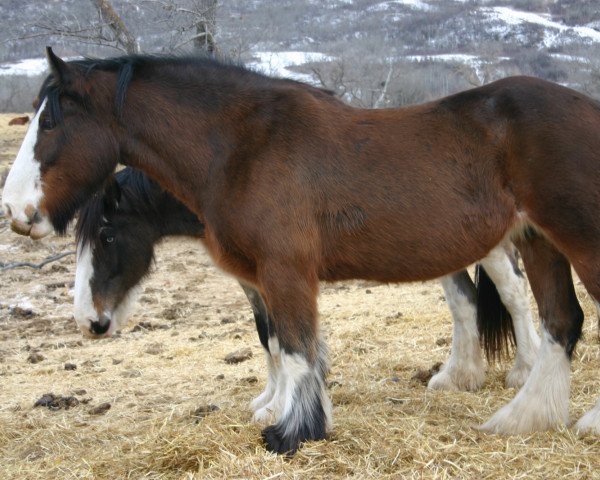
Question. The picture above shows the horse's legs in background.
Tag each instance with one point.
(261, 318)
(301, 407)
(501, 266)
(543, 402)
(465, 369)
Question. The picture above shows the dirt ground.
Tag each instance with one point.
(158, 400)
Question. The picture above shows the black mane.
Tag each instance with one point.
(128, 66)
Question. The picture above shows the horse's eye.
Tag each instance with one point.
(107, 235)
(46, 123)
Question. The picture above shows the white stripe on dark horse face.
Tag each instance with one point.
(23, 189)
(84, 311)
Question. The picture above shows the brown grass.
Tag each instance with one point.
(386, 425)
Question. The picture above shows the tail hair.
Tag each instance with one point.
(494, 322)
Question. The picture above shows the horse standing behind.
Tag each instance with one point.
(293, 187)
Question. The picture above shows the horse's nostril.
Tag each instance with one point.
(8, 211)
(101, 326)
(31, 213)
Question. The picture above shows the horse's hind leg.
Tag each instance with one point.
(500, 265)
(543, 402)
(261, 319)
(301, 407)
(589, 273)
(465, 369)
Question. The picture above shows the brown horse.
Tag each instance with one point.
(293, 187)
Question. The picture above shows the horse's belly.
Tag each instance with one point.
(399, 253)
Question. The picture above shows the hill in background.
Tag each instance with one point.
(371, 53)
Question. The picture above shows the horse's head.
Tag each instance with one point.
(115, 246)
(68, 151)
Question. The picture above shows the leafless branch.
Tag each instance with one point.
(37, 266)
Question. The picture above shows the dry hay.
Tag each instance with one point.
(161, 379)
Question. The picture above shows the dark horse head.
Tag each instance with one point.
(116, 233)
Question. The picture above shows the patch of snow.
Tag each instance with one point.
(277, 63)
(30, 67)
(414, 4)
(516, 17)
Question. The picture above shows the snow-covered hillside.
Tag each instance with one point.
(354, 46)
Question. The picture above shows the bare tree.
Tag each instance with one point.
(122, 36)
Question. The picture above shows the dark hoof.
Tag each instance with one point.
(276, 442)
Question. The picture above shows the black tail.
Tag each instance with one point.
(495, 325)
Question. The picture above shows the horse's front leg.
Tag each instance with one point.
(300, 407)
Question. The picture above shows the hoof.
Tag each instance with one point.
(453, 379)
(264, 416)
(517, 376)
(277, 443)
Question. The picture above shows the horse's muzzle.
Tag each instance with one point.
(21, 228)
(100, 327)
(36, 226)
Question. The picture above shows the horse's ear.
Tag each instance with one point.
(60, 70)
(112, 194)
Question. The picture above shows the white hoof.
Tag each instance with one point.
(455, 379)
(265, 415)
(525, 417)
(263, 399)
(590, 422)
(543, 402)
(517, 376)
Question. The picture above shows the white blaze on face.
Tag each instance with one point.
(84, 313)
(23, 189)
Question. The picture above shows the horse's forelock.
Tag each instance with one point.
(90, 219)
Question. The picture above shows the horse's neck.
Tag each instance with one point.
(176, 220)
(170, 141)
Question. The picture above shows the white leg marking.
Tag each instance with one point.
(295, 381)
(302, 385)
(465, 369)
(23, 186)
(590, 422)
(267, 395)
(270, 412)
(543, 402)
(512, 289)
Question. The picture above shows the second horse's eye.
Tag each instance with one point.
(107, 235)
